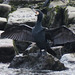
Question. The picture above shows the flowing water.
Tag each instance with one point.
(67, 59)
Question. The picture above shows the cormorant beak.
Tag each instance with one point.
(36, 12)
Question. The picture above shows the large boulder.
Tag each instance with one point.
(4, 10)
(32, 61)
(22, 15)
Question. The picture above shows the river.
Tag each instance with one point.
(67, 59)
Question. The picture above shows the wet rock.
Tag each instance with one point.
(4, 10)
(31, 60)
(3, 22)
(22, 15)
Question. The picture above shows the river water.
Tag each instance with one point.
(67, 59)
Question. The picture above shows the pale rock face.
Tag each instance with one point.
(22, 15)
(71, 11)
(3, 19)
(58, 3)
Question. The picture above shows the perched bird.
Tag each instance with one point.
(39, 34)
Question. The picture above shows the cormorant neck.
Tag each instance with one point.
(38, 23)
(39, 20)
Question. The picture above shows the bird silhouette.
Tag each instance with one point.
(39, 34)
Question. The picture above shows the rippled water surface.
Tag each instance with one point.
(68, 60)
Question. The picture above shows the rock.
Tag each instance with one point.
(56, 17)
(32, 61)
(71, 14)
(7, 51)
(4, 10)
(58, 3)
(68, 60)
(22, 15)
(3, 22)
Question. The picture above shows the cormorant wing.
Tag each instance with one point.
(20, 33)
(60, 36)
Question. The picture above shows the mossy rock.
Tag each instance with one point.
(56, 17)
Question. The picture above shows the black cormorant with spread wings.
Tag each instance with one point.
(40, 35)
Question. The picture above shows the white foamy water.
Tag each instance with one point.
(67, 59)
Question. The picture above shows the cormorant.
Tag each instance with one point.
(39, 34)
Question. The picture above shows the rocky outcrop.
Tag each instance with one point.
(32, 61)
